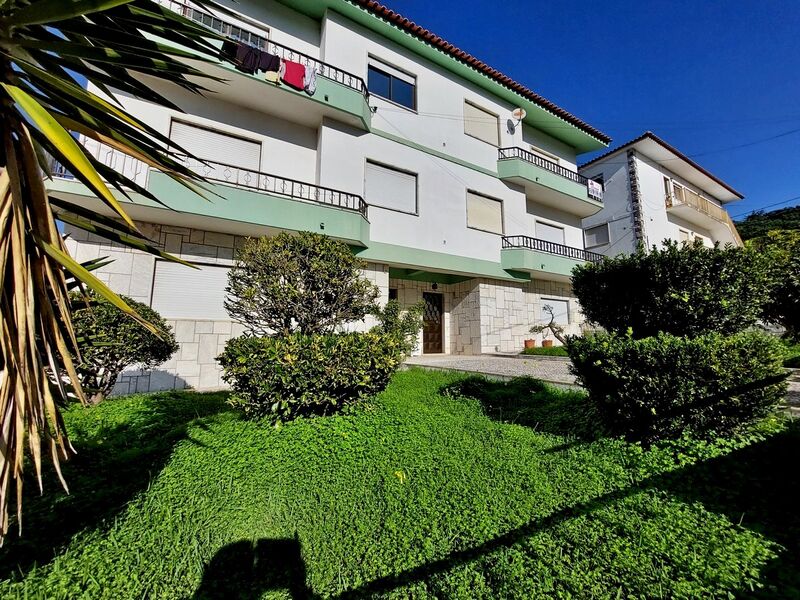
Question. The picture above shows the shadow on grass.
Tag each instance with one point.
(114, 462)
(532, 403)
(755, 487)
(246, 569)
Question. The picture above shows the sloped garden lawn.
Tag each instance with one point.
(505, 494)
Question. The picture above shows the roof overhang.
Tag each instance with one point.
(541, 113)
(653, 147)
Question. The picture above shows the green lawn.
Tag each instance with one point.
(546, 351)
(417, 495)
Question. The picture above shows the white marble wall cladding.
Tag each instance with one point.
(486, 316)
(201, 341)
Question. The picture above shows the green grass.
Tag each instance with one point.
(424, 493)
(551, 351)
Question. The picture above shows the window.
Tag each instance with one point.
(183, 293)
(392, 293)
(390, 188)
(596, 236)
(545, 155)
(213, 145)
(549, 233)
(392, 84)
(560, 311)
(678, 193)
(226, 29)
(683, 236)
(484, 213)
(481, 124)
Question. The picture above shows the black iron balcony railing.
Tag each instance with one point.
(260, 40)
(530, 243)
(221, 173)
(275, 184)
(535, 159)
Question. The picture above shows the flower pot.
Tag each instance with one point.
(530, 344)
(547, 343)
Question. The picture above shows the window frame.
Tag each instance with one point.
(545, 154)
(563, 229)
(608, 235)
(487, 111)
(368, 161)
(376, 64)
(543, 300)
(502, 212)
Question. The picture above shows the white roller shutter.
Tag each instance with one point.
(217, 146)
(180, 292)
(596, 236)
(390, 188)
(481, 124)
(549, 233)
(484, 213)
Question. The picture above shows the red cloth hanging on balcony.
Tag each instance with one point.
(293, 74)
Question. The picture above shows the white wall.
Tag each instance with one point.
(286, 26)
(617, 210)
(437, 121)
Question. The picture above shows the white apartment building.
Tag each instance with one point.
(653, 192)
(408, 149)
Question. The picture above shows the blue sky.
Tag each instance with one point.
(706, 76)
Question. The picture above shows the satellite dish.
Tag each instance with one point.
(518, 114)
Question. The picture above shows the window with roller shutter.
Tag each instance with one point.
(180, 292)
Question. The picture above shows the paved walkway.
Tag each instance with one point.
(555, 371)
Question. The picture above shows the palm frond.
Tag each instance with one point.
(46, 47)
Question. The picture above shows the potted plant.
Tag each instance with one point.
(531, 343)
(550, 328)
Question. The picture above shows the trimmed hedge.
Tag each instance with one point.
(281, 378)
(662, 386)
(680, 289)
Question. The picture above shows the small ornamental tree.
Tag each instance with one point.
(306, 283)
(109, 341)
(680, 289)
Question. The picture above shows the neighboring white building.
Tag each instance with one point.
(407, 150)
(652, 193)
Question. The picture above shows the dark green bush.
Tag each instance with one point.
(680, 289)
(546, 351)
(404, 323)
(662, 386)
(285, 377)
(109, 341)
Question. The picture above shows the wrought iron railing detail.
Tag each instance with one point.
(549, 165)
(531, 243)
(221, 173)
(275, 184)
(260, 40)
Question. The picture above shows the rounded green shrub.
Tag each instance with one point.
(680, 289)
(109, 341)
(662, 386)
(280, 378)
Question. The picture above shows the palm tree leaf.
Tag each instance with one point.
(114, 236)
(77, 162)
(85, 277)
(50, 11)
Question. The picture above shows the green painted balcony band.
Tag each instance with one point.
(547, 182)
(532, 255)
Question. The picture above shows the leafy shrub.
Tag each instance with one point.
(402, 323)
(662, 386)
(109, 341)
(781, 250)
(285, 377)
(306, 283)
(681, 289)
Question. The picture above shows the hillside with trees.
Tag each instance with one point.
(759, 223)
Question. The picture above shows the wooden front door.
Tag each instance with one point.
(432, 324)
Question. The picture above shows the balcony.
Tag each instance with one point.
(547, 183)
(340, 95)
(242, 201)
(532, 255)
(695, 209)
